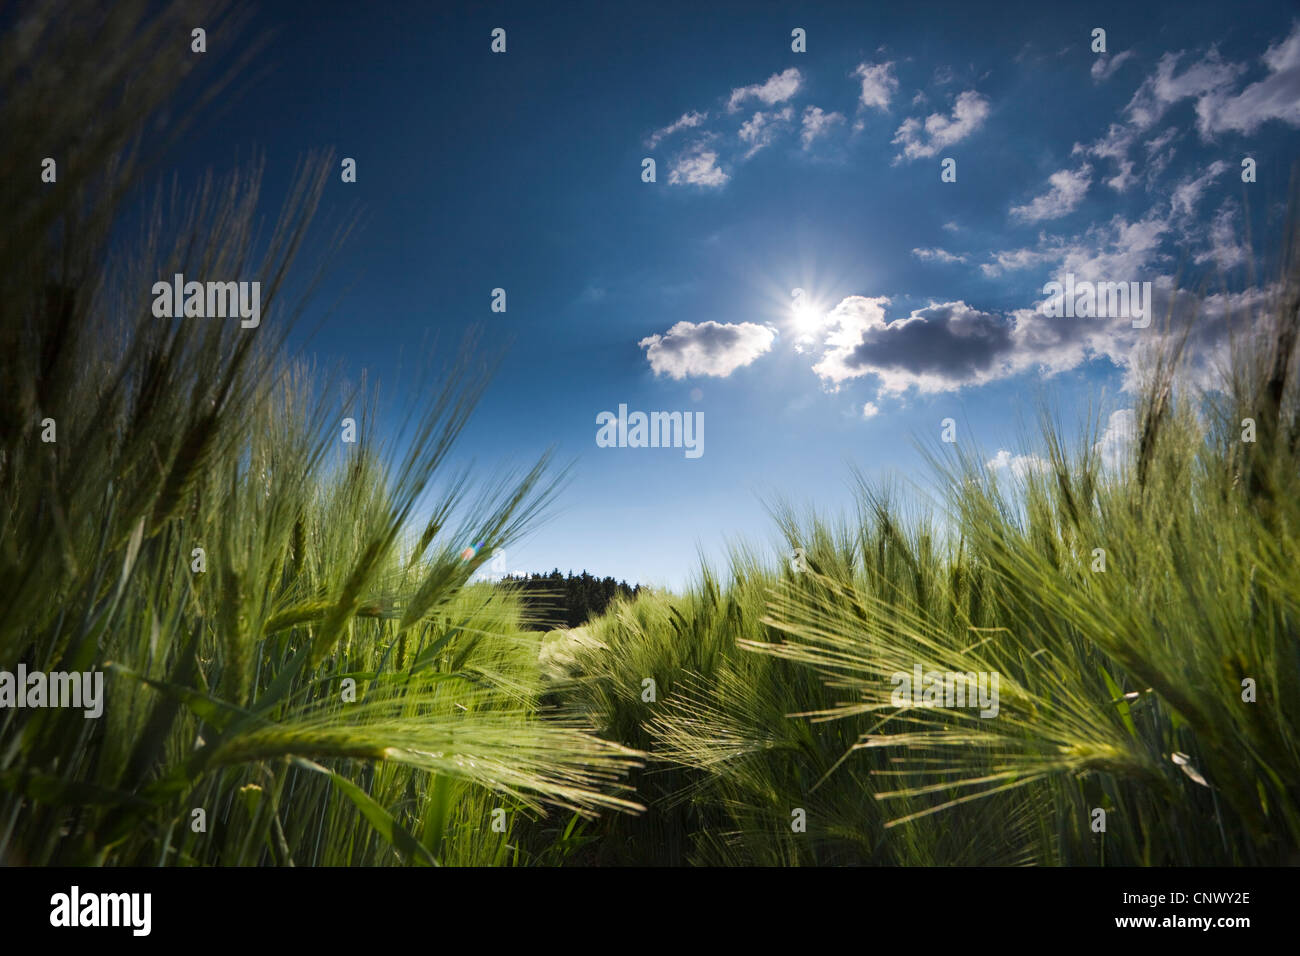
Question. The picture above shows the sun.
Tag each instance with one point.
(807, 314)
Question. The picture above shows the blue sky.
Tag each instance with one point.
(775, 170)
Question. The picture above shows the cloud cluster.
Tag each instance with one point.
(1220, 106)
(718, 144)
(951, 344)
(934, 349)
(707, 157)
(1276, 97)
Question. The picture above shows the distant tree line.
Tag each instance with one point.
(566, 600)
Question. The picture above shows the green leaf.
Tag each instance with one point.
(214, 710)
(427, 656)
(441, 799)
(283, 683)
(55, 791)
(408, 846)
(1117, 696)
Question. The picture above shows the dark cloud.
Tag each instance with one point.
(951, 341)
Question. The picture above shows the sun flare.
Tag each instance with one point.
(806, 314)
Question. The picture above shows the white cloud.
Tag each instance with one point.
(1225, 251)
(706, 348)
(878, 85)
(1167, 86)
(1209, 80)
(697, 167)
(1188, 192)
(937, 254)
(1011, 260)
(844, 327)
(1276, 97)
(1158, 143)
(1068, 190)
(952, 345)
(1116, 251)
(1116, 441)
(718, 145)
(778, 88)
(870, 410)
(817, 122)
(920, 140)
(1159, 155)
(760, 129)
(948, 346)
(1018, 465)
(1104, 67)
(688, 120)
(1114, 146)
(1124, 178)
(936, 349)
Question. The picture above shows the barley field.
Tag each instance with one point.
(301, 667)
